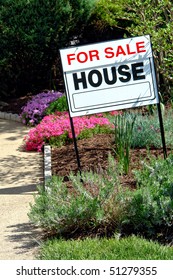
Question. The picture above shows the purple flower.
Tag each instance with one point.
(34, 111)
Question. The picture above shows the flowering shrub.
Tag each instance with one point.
(57, 129)
(34, 110)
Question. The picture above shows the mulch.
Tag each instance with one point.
(93, 155)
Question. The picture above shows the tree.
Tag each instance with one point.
(140, 17)
(31, 34)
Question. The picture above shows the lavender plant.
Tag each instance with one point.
(34, 110)
(150, 211)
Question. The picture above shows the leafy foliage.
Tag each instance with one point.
(146, 131)
(123, 138)
(59, 105)
(140, 17)
(65, 212)
(31, 34)
(150, 211)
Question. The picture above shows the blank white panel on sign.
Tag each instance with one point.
(129, 93)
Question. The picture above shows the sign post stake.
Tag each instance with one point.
(162, 130)
(75, 144)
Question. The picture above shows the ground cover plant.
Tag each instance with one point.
(56, 130)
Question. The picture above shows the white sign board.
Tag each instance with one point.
(109, 76)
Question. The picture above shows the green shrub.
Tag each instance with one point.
(150, 210)
(98, 129)
(59, 105)
(146, 131)
(93, 204)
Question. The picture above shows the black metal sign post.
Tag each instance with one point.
(160, 117)
(75, 144)
(162, 130)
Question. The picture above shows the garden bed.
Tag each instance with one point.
(101, 205)
(93, 153)
(145, 202)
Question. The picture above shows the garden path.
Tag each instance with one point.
(20, 173)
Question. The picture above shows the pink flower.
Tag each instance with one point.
(59, 125)
(114, 113)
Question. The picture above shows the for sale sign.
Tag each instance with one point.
(109, 76)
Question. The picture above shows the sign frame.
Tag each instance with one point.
(142, 53)
(86, 64)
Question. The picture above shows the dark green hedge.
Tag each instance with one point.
(31, 34)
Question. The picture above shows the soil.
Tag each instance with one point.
(93, 155)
